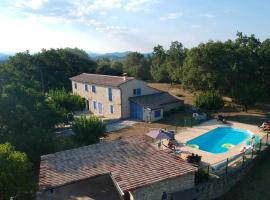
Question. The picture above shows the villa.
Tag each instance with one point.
(122, 97)
(130, 169)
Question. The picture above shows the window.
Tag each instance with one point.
(157, 113)
(94, 104)
(137, 92)
(94, 88)
(110, 94)
(75, 86)
(111, 109)
(134, 91)
(86, 88)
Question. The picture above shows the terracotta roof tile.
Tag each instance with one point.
(99, 79)
(161, 98)
(132, 162)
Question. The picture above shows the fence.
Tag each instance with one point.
(235, 163)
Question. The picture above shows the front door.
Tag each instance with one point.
(100, 108)
(87, 104)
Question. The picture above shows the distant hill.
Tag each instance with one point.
(4, 57)
(112, 56)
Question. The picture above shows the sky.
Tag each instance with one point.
(126, 25)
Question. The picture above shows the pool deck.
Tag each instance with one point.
(190, 133)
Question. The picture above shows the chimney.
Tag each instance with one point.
(125, 76)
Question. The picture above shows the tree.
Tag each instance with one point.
(264, 67)
(136, 65)
(246, 73)
(174, 62)
(206, 67)
(16, 176)
(117, 67)
(55, 66)
(210, 100)
(64, 102)
(27, 122)
(158, 67)
(88, 130)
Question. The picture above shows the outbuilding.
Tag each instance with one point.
(152, 107)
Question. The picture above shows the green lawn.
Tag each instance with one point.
(255, 185)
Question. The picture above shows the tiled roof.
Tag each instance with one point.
(132, 162)
(101, 79)
(154, 101)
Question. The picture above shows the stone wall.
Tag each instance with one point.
(100, 96)
(154, 191)
(216, 187)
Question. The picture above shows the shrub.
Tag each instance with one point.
(88, 130)
(65, 102)
(209, 101)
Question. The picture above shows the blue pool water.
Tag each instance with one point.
(219, 140)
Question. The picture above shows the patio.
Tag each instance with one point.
(185, 135)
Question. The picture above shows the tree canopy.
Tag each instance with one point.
(16, 176)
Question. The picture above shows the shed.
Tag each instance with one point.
(152, 107)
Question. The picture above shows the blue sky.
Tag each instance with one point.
(121, 25)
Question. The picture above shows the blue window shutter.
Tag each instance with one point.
(86, 88)
(157, 113)
(110, 94)
(111, 108)
(139, 92)
(94, 104)
(94, 88)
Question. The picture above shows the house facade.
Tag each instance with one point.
(128, 169)
(110, 97)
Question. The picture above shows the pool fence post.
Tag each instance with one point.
(208, 170)
(243, 161)
(252, 153)
(227, 166)
(260, 145)
(267, 138)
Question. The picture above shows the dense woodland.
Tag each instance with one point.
(33, 88)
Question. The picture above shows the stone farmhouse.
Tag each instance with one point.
(122, 97)
(126, 169)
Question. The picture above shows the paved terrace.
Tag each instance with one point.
(190, 133)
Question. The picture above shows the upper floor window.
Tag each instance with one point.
(86, 88)
(75, 86)
(94, 88)
(110, 94)
(137, 92)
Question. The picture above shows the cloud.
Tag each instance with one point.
(33, 4)
(208, 15)
(170, 16)
(103, 13)
(138, 5)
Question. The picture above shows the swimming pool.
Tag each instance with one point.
(219, 140)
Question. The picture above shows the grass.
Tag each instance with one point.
(255, 185)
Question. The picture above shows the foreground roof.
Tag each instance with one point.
(132, 162)
(156, 100)
(99, 79)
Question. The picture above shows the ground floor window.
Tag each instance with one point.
(111, 109)
(157, 113)
(94, 104)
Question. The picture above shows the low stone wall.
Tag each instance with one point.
(216, 187)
